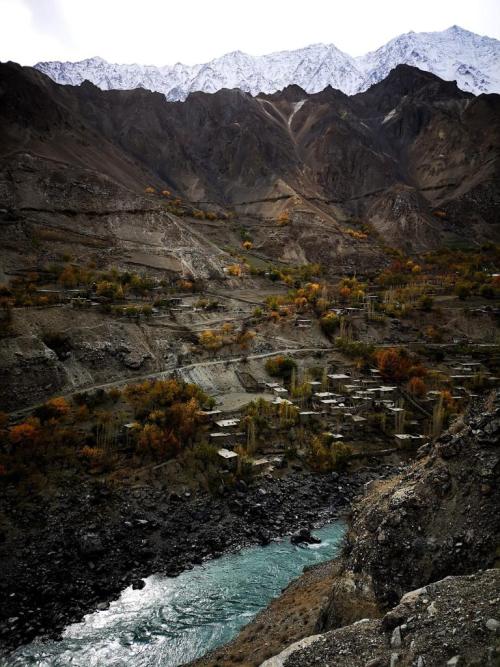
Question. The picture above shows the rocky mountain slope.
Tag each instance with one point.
(79, 158)
(453, 54)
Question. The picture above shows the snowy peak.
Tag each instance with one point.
(455, 54)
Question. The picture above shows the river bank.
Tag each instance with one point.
(69, 551)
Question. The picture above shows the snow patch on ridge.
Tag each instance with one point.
(296, 107)
(390, 115)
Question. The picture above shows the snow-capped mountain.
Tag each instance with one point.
(454, 54)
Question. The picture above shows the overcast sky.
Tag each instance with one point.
(162, 32)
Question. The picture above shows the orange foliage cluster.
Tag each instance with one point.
(171, 412)
(186, 285)
(359, 236)
(396, 365)
(25, 433)
(283, 218)
(92, 454)
(416, 386)
(234, 270)
(213, 340)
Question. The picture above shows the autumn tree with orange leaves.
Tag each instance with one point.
(397, 365)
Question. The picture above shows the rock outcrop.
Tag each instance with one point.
(455, 621)
(440, 518)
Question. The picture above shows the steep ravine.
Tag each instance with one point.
(436, 520)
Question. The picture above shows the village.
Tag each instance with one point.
(354, 413)
(295, 369)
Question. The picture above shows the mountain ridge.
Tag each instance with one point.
(453, 54)
(388, 158)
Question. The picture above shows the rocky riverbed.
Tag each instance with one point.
(71, 550)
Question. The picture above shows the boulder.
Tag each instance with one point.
(304, 536)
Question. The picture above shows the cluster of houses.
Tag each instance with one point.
(226, 435)
(344, 406)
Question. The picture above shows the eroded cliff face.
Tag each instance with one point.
(440, 518)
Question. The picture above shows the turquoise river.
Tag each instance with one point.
(174, 620)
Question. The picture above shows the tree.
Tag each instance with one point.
(55, 408)
(68, 277)
(26, 433)
(462, 290)
(487, 292)
(329, 324)
(109, 290)
(344, 293)
(416, 386)
(281, 366)
(244, 337)
(210, 340)
(394, 364)
(426, 302)
(283, 218)
(234, 270)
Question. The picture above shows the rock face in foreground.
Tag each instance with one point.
(440, 518)
(436, 522)
(455, 621)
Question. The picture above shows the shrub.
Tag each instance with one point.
(329, 324)
(487, 292)
(114, 394)
(281, 366)
(463, 291)
(283, 218)
(394, 365)
(93, 455)
(354, 349)
(109, 289)
(426, 303)
(210, 340)
(26, 433)
(55, 408)
(360, 236)
(234, 270)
